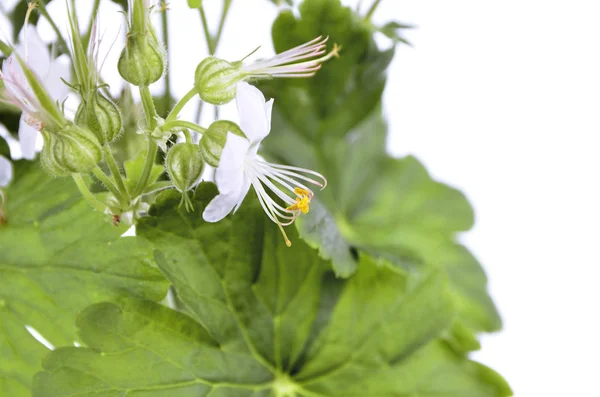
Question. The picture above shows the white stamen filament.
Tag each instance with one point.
(280, 178)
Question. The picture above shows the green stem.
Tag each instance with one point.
(85, 191)
(169, 125)
(114, 170)
(110, 185)
(151, 116)
(372, 9)
(155, 187)
(179, 106)
(165, 34)
(217, 38)
(44, 12)
(149, 108)
(207, 35)
(88, 31)
(212, 42)
(147, 171)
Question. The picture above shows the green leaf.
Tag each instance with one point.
(389, 207)
(345, 90)
(57, 256)
(270, 321)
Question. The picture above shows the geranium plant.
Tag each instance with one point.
(283, 254)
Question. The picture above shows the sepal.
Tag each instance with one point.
(101, 116)
(215, 80)
(72, 150)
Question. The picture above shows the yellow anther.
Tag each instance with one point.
(302, 204)
(301, 192)
(336, 50)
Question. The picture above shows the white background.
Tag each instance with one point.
(501, 100)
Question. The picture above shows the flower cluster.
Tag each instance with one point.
(241, 167)
(77, 145)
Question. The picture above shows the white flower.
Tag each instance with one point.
(285, 64)
(37, 57)
(241, 167)
(6, 172)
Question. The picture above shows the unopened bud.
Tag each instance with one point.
(184, 165)
(101, 116)
(72, 150)
(216, 79)
(142, 61)
(214, 138)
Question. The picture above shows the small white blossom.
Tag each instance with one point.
(18, 90)
(240, 167)
(301, 61)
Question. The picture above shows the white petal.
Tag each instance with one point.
(6, 171)
(59, 68)
(253, 116)
(37, 55)
(243, 192)
(230, 171)
(219, 207)
(27, 138)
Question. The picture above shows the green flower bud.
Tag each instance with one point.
(184, 165)
(72, 150)
(215, 80)
(214, 138)
(142, 61)
(101, 116)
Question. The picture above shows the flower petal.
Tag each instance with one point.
(252, 112)
(230, 171)
(6, 171)
(243, 192)
(219, 207)
(59, 68)
(37, 55)
(27, 138)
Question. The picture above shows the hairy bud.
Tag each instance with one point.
(101, 116)
(142, 61)
(72, 150)
(184, 165)
(214, 138)
(216, 79)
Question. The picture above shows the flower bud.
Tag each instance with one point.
(142, 61)
(184, 165)
(74, 149)
(101, 116)
(213, 140)
(216, 79)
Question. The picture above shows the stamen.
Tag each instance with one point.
(30, 7)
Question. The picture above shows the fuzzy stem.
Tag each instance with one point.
(85, 191)
(179, 106)
(150, 157)
(149, 107)
(155, 187)
(114, 170)
(165, 37)
(102, 177)
(88, 31)
(169, 125)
